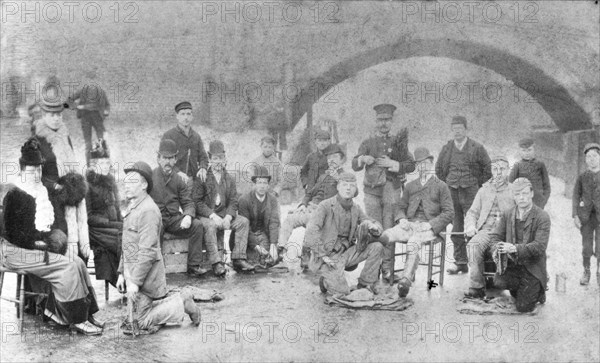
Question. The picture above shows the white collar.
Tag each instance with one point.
(460, 145)
(259, 198)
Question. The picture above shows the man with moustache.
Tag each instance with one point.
(141, 268)
(191, 156)
(172, 192)
(341, 236)
(464, 165)
(386, 160)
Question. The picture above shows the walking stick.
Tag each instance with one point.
(132, 311)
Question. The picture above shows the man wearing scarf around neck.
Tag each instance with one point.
(340, 236)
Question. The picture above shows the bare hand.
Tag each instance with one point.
(425, 226)
(471, 231)
(58, 186)
(329, 262)
(186, 222)
(403, 223)
(201, 174)
(385, 162)
(184, 176)
(375, 229)
(132, 290)
(367, 159)
(505, 247)
(301, 208)
(577, 222)
(216, 219)
(261, 251)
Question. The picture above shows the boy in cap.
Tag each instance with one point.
(520, 240)
(325, 188)
(316, 162)
(491, 200)
(269, 160)
(341, 236)
(142, 274)
(464, 165)
(386, 160)
(191, 156)
(533, 169)
(586, 209)
(424, 211)
(261, 208)
(172, 193)
(216, 199)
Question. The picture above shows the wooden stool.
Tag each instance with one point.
(432, 257)
(19, 299)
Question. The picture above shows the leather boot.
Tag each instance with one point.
(219, 269)
(242, 265)
(475, 293)
(453, 270)
(404, 287)
(585, 279)
(190, 307)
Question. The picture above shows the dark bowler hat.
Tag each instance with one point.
(30, 153)
(52, 105)
(526, 142)
(322, 134)
(262, 172)
(384, 110)
(167, 148)
(216, 147)
(333, 149)
(185, 105)
(459, 120)
(99, 150)
(422, 153)
(590, 146)
(144, 170)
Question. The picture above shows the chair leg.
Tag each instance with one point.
(430, 262)
(442, 261)
(106, 290)
(21, 297)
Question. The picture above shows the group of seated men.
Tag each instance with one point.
(191, 194)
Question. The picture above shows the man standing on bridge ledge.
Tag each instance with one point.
(386, 160)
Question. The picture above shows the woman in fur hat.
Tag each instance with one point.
(28, 220)
(66, 187)
(104, 216)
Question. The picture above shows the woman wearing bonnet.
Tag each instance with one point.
(66, 187)
(28, 220)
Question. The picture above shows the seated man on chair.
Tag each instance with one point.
(424, 211)
(491, 200)
(520, 239)
(324, 188)
(340, 236)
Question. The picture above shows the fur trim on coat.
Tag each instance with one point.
(74, 189)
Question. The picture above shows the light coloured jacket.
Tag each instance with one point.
(482, 204)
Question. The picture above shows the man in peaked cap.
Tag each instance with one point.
(325, 188)
(171, 193)
(424, 211)
(491, 200)
(341, 236)
(521, 238)
(261, 208)
(464, 165)
(142, 274)
(316, 162)
(216, 202)
(386, 160)
(533, 169)
(191, 156)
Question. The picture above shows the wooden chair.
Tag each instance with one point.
(433, 267)
(19, 299)
(92, 271)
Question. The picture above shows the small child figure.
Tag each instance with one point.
(533, 169)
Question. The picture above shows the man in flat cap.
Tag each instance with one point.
(491, 200)
(325, 188)
(191, 156)
(216, 202)
(464, 165)
(424, 211)
(171, 193)
(386, 160)
(92, 109)
(520, 238)
(142, 273)
(533, 169)
(341, 236)
(586, 209)
(316, 162)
